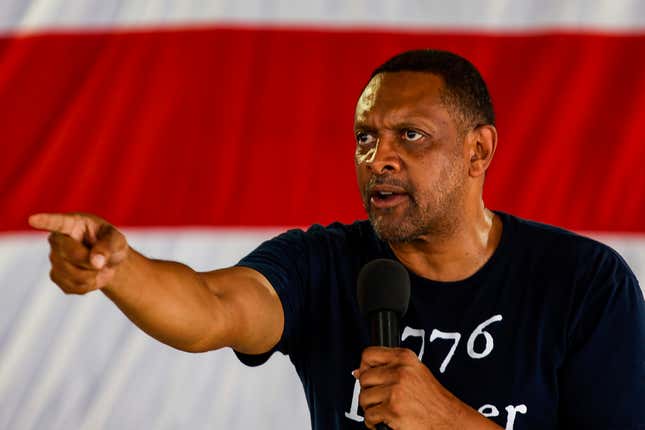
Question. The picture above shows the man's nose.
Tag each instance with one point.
(386, 157)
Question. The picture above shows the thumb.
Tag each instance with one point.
(110, 248)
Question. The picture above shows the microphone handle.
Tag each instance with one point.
(385, 331)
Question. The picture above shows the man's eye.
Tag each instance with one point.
(411, 135)
(365, 139)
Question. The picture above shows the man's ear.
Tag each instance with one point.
(482, 142)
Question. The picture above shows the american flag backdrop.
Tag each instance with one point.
(203, 127)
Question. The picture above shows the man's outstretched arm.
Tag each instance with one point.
(188, 310)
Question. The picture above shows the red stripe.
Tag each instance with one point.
(253, 126)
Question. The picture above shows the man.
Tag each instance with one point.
(511, 323)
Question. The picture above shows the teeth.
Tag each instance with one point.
(386, 193)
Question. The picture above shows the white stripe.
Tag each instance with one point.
(115, 380)
(19, 349)
(58, 363)
(460, 15)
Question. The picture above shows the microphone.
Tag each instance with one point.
(383, 296)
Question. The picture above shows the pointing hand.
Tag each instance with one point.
(85, 250)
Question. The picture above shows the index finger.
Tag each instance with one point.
(70, 225)
(374, 356)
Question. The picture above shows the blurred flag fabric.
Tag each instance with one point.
(204, 127)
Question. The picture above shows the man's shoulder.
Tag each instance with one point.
(361, 228)
(559, 244)
(539, 230)
(355, 237)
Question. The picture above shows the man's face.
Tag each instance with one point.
(410, 160)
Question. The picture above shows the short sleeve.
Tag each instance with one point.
(603, 377)
(283, 261)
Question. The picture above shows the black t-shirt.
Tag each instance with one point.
(549, 333)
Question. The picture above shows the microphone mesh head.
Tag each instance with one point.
(383, 284)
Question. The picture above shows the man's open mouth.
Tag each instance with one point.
(387, 198)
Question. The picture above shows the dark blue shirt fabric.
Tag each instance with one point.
(548, 334)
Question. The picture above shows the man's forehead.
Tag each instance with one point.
(399, 90)
(367, 98)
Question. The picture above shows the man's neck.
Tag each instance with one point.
(457, 255)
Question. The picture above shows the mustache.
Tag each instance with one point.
(386, 180)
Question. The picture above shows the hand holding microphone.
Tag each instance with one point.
(398, 391)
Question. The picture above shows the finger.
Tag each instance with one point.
(379, 414)
(372, 396)
(71, 280)
(380, 375)
(379, 356)
(78, 275)
(70, 250)
(79, 280)
(374, 356)
(73, 225)
(63, 283)
(110, 248)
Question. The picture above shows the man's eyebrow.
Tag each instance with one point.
(363, 127)
(417, 118)
(427, 124)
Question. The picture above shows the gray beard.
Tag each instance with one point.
(411, 229)
(438, 219)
